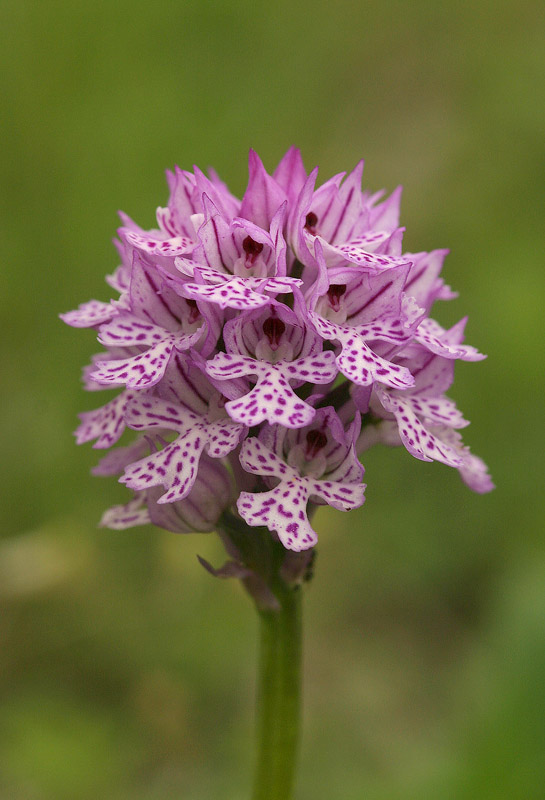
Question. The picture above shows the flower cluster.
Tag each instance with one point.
(259, 346)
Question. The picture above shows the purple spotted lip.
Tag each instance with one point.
(259, 346)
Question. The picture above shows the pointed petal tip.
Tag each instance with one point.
(357, 172)
(208, 204)
(254, 161)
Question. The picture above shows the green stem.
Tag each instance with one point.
(274, 584)
(279, 695)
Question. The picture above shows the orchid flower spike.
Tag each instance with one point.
(259, 346)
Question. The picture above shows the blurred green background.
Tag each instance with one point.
(126, 671)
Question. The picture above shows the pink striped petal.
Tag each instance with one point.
(114, 462)
(263, 196)
(423, 282)
(385, 215)
(290, 174)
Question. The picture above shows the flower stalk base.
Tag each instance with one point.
(279, 696)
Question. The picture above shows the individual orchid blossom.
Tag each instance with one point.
(258, 348)
(271, 344)
(265, 308)
(319, 464)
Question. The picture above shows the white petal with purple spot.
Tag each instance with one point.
(174, 467)
(435, 338)
(272, 398)
(283, 509)
(145, 369)
(138, 371)
(236, 292)
(156, 246)
(357, 361)
(133, 513)
(418, 440)
(105, 424)
(87, 315)
(126, 330)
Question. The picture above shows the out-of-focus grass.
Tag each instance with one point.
(125, 670)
